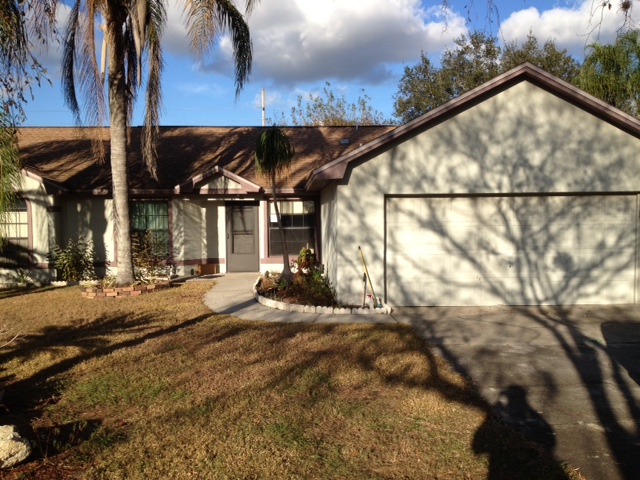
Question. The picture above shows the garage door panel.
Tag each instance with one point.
(619, 262)
(464, 236)
(618, 291)
(560, 265)
(464, 210)
(499, 291)
(417, 236)
(464, 294)
(616, 235)
(503, 266)
(465, 265)
(419, 291)
(600, 236)
(618, 209)
(413, 266)
(495, 240)
(402, 211)
(496, 211)
(517, 250)
(402, 262)
(563, 238)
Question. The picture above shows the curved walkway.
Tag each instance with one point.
(233, 295)
(566, 377)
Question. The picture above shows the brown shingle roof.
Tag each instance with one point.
(64, 155)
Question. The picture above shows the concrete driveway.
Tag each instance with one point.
(568, 378)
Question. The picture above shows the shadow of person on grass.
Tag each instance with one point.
(513, 409)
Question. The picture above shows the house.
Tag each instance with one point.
(523, 191)
(208, 202)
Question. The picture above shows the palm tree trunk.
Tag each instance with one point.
(286, 269)
(118, 131)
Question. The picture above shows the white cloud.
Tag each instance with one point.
(174, 39)
(201, 89)
(571, 28)
(297, 41)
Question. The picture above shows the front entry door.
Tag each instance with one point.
(243, 254)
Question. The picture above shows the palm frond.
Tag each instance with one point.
(132, 64)
(274, 152)
(151, 130)
(68, 80)
(206, 17)
(80, 71)
(139, 17)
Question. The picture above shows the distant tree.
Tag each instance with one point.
(274, 154)
(612, 72)
(473, 61)
(548, 57)
(328, 109)
(22, 22)
(421, 89)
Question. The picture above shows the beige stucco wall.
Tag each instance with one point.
(188, 224)
(197, 237)
(42, 224)
(522, 141)
(89, 218)
(328, 233)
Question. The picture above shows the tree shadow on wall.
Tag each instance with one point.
(490, 222)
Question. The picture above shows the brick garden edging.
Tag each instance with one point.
(119, 292)
(292, 307)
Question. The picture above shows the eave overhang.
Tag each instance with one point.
(50, 187)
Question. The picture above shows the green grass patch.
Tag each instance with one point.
(113, 389)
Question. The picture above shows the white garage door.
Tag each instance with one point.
(557, 250)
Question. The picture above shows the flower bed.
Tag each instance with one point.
(119, 292)
(291, 307)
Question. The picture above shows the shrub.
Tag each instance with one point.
(75, 262)
(309, 281)
(151, 257)
(309, 287)
(22, 277)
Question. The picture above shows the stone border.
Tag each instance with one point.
(120, 292)
(292, 307)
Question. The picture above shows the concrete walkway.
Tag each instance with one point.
(233, 295)
(566, 378)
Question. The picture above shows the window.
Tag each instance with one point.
(298, 222)
(14, 244)
(150, 223)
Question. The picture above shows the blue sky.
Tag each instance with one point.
(354, 44)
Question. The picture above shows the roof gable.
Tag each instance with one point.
(337, 169)
(217, 181)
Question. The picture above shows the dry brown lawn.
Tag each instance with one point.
(158, 386)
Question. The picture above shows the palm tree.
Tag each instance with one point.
(612, 72)
(274, 154)
(132, 32)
